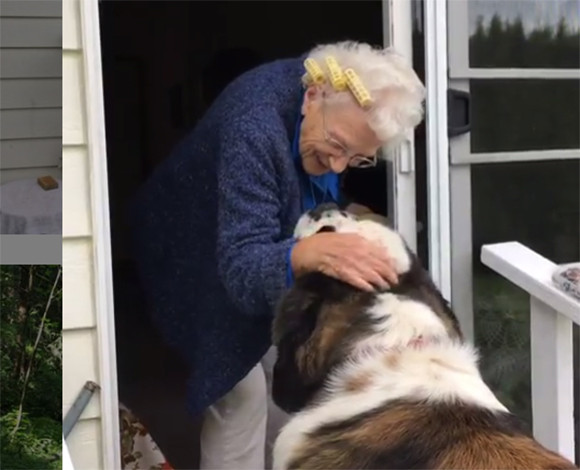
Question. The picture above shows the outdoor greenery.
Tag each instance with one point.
(31, 365)
(505, 44)
(502, 325)
(524, 114)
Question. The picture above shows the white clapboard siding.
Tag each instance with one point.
(76, 198)
(25, 93)
(71, 30)
(81, 350)
(41, 33)
(73, 121)
(78, 279)
(30, 88)
(30, 153)
(26, 173)
(31, 8)
(31, 63)
(81, 364)
(31, 123)
(84, 444)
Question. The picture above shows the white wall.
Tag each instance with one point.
(80, 345)
(30, 88)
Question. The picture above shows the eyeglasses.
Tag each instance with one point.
(354, 159)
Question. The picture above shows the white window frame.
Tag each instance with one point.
(459, 75)
(461, 156)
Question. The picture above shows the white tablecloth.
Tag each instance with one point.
(26, 208)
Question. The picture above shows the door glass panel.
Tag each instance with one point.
(512, 115)
(524, 33)
(535, 203)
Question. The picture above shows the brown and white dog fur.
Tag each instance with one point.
(385, 380)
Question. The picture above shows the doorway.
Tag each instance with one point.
(163, 64)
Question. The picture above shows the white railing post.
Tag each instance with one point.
(552, 378)
(552, 315)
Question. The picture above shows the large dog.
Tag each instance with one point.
(385, 380)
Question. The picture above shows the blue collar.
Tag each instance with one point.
(326, 185)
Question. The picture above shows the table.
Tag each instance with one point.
(26, 208)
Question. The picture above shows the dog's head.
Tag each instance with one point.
(329, 217)
(320, 321)
(326, 217)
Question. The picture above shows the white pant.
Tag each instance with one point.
(239, 430)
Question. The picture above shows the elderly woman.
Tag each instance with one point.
(213, 225)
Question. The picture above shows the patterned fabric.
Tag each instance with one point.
(138, 449)
(567, 278)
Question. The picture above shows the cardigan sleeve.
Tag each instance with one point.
(252, 256)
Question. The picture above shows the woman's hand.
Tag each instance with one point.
(345, 256)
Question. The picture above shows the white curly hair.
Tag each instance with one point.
(395, 89)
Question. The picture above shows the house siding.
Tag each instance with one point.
(80, 326)
(30, 89)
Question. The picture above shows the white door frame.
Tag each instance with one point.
(435, 27)
(103, 261)
(398, 33)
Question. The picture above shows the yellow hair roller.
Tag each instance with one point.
(357, 88)
(336, 76)
(315, 73)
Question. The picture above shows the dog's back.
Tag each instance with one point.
(416, 435)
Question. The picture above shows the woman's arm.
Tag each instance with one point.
(252, 256)
(253, 259)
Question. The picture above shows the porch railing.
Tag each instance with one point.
(552, 315)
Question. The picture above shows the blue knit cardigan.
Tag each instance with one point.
(212, 228)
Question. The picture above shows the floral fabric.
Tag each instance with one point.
(138, 449)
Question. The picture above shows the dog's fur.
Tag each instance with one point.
(385, 380)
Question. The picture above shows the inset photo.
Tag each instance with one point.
(31, 118)
(31, 367)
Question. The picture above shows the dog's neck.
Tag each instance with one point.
(372, 348)
(423, 367)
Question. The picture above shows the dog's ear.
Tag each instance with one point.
(294, 323)
(291, 314)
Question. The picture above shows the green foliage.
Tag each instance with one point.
(30, 367)
(502, 326)
(36, 444)
(505, 44)
(522, 114)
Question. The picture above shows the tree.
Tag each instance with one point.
(30, 366)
